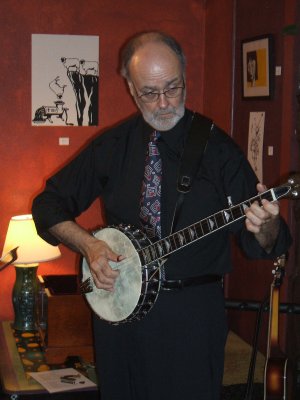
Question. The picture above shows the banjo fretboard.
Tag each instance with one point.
(206, 226)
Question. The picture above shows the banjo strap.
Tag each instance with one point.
(191, 159)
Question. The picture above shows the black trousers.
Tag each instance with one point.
(176, 352)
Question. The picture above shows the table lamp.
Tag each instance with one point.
(31, 250)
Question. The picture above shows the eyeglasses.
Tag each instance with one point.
(151, 97)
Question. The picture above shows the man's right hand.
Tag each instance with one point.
(96, 252)
(98, 256)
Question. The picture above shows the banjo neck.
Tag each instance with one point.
(163, 247)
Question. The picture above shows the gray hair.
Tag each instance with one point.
(142, 38)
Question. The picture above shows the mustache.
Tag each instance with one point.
(159, 113)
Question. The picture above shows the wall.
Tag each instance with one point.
(31, 154)
(251, 279)
(219, 62)
(210, 32)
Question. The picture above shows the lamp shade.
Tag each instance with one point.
(32, 249)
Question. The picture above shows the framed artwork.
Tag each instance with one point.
(65, 80)
(255, 142)
(257, 67)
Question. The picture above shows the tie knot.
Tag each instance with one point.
(154, 136)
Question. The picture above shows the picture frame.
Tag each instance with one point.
(64, 80)
(258, 67)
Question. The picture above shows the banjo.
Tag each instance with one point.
(137, 287)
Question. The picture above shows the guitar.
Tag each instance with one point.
(138, 284)
(277, 367)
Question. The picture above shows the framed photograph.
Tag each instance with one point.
(257, 67)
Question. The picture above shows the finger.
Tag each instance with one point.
(265, 210)
(104, 278)
(112, 256)
(101, 249)
(254, 220)
(252, 227)
(102, 285)
(103, 270)
(271, 208)
(256, 215)
(102, 282)
(261, 187)
(255, 210)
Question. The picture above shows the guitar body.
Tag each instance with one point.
(276, 373)
(279, 371)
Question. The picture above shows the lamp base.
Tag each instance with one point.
(24, 297)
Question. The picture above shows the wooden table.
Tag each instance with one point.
(14, 379)
(15, 382)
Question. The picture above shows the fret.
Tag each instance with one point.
(199, 232)
(269, 195)
(247, 203)
(227, 215)
(173, 242)
(166, 244)
(212, 223)
(192, 233)
(237, 211)
(244, 208)
(272, 197)
(205, 226)
(159, 249)
(259, 200)
(181, 238)
(177, 240)
(251, 201)
(232, 216)
(220, 221)
(186, 235)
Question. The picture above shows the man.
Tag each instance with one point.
(176, 351)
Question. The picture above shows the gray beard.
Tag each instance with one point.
(164, 124)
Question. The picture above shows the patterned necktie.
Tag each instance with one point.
(151, 190)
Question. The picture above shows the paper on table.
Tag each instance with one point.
(60, 380)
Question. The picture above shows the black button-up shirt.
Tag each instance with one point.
(112, 167)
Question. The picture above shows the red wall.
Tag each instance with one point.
(252, 279)
(218, 99)
(210, 31)
(31, 154)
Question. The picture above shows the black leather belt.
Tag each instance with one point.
(196, 280)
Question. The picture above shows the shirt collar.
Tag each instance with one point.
(175, 137)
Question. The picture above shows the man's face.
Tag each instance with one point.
(155, 68)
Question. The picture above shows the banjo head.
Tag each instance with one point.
(118, 305)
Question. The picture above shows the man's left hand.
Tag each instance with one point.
(263, 220)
